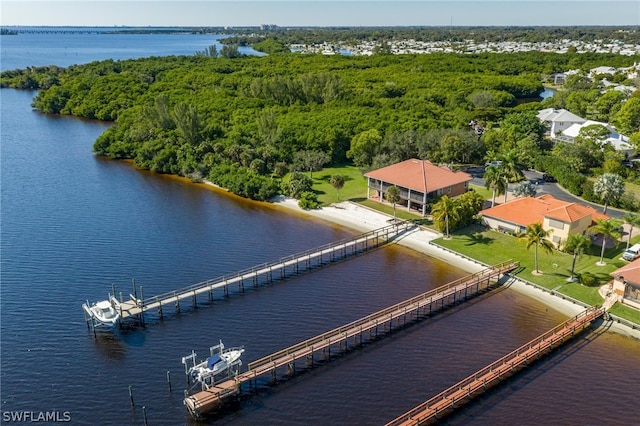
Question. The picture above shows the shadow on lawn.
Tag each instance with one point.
(478, 238)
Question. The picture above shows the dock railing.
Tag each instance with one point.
(493, 271)
(398, 226)
(512, 360)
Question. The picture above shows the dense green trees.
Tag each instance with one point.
(250, 120)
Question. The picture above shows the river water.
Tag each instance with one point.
(73, 224)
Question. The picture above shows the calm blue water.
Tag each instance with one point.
(73, 224)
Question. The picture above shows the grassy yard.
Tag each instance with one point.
(493, 247)
(355, 185)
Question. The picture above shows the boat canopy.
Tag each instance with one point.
(213, 360)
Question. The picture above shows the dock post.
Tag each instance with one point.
(142, 304)
(177, 302)
(159, 308)
(131, 395)
(113, 291)
(169, 379)
(195, 301)
(144, 415)
(93, 326)
(135, 292)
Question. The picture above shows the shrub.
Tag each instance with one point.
(308, 200)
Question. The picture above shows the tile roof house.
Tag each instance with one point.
(626, 284)
(419, 182)
(558, 119)
(561, 218)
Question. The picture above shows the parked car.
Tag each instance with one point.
(631, 253)
(548, 178)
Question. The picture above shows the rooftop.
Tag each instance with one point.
(419, 175)
(527, 210)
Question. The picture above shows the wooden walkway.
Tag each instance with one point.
(448, 400)
(369, 326)
(290, 265)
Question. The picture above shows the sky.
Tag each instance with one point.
(218, 13)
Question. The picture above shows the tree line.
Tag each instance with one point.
(245, 122)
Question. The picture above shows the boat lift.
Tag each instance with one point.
(209, 379)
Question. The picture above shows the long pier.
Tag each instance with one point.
(459, 394)
(289, 265)
(400, 314)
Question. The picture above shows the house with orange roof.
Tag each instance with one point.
(419, 182)
(560, 218)
(626, 284)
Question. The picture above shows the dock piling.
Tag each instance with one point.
(131, 395)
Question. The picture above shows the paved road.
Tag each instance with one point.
(545, 188)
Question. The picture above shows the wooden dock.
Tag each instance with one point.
(448, 400)
(382, 321)
(281, 268)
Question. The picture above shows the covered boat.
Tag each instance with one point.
(102, 312)
(221, 361)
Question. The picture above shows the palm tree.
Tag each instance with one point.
(393, 196)
(536, 235)
(510, 166)
(608, 186)
(632, 219)
(493, 180)
(445, 211)
(575, 244)
(608, 229)
(337, 181)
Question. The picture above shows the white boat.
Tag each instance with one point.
(219, 362)
(102, 312)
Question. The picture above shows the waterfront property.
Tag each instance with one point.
(560, 218)
(399, 315)
(464, 391)
(419, 182)
(626, 284)
(291, 265)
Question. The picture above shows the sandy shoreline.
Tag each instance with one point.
(363, 219)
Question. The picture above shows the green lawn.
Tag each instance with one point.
(355, 185)
(487, 194)
(492, 247)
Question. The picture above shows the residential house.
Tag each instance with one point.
(419, 182)
(626, 284)
(619, 142)
(558, 120)
(601, 70)
(560, 218)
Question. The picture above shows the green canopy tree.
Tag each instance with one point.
(575, 244)
(608, 229)
(364, 146)
(535, 235)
